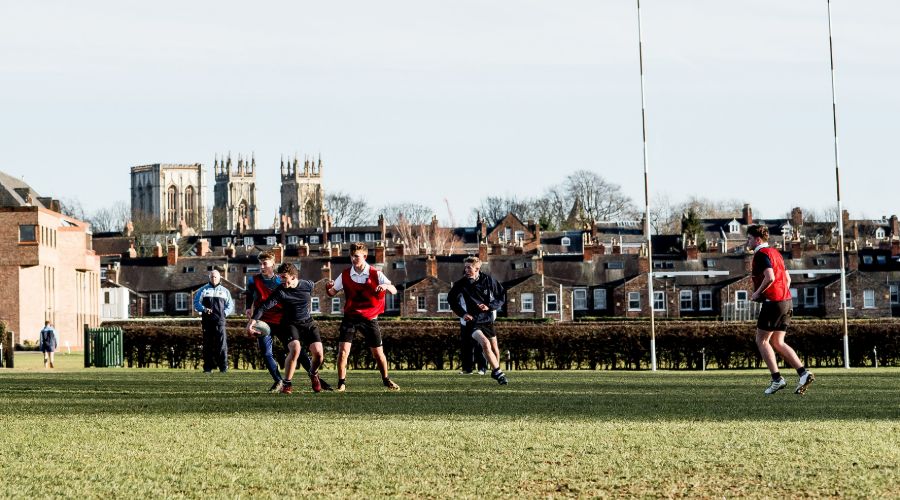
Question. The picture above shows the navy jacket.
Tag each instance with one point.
(465, 296)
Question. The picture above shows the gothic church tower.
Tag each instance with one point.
(171, 194)
(302, 195)
(234, 195)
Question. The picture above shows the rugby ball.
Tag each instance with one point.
(263, 328)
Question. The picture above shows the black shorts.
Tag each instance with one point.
(775, 316)
(368, 327)
(486, 328)
(306, 332)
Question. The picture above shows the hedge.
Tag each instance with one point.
(434, 344)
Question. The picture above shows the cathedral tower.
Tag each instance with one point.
(234, 195)
(171, 194)
(302, 195)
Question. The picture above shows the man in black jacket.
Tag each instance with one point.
(475, 299)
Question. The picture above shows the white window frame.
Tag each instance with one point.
(507, 234)
(399, 264)
(565, 241)
(551, 303)
(293, 240)
(686, 296)
(421, 304)
(354, 237)
(337, 238)
(443, 305)
(390, 303)
(157, 304)
(600, 298)
(369, 237)
(314, 306)
(795, 297)
(314, 239)
(848, 302)
(706, 296)
(271, 240)
(734, 227)
(527, 302)
(741, 300)
(226, 241)
(659, 301)
(181, 301)
(634, 301)
(810, 297)
(879, 233)
(867, 259)
(579, 299)
(868, 299)
(519, 235)
(248, 241)
(335, 305)
(895, 294)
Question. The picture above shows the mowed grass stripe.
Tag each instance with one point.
(173, 433)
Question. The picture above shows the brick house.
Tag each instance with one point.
(537, 296)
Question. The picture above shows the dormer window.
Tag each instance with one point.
(867, 259)
(248, 241)
(293, 240)
(270, 240)
(820, 261)
(879, 233)
(314, 239)
(565, 241)
(734, 227)
(881, 259)
(226, 242)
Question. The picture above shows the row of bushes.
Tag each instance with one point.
(530, 345)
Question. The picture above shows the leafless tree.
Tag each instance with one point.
(72, 207)
(414, 214)
(347, 211)
(109, 219)
(601, 200)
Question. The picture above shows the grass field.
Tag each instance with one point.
(172, 433)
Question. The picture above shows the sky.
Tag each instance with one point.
(444, 103)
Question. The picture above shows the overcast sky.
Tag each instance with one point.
(422, 101)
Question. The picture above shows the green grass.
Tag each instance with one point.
(174, 433)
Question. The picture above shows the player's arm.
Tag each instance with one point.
(385, 284)
(332, 287)
(454, 299)
(768, 279)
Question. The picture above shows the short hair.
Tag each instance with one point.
(265, 256)
(472, 260)
(288, 269)
(357, 246)
(760, 231)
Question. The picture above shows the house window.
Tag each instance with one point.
(226, 242)
(443, 305)
(795, 298)
(181, 301)
(314, 306)
(820, 261)
(895, 294)
(687, 300)
(314, 239)
(248, 241)
(599, 298)
(293, 240)
(881, 259)
(335, 305)
(868, 299)
(551, 303)
(507, 234)
(710, 262)
(615, 264)
(336, 238)
(156, 302)
(390, 302)
(103, 272)
(579, 297)
(566, 241)
(879, 233)
(734, 227)
(634, 301)
(400, 265)
(251, 269)
(867, 259)
(810, 297)
(420, 303)
(740, 300)
(848, 299)
(705, 300)
(659, 301)
(369, 237)
(187, 269)
(520, 235)
(27, 233)
(106, 297)
(527, 302)
(354, 237)
(270, 240)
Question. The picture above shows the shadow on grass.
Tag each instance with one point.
(556, 395)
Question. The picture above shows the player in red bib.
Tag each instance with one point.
(772, 287)
(364, 288)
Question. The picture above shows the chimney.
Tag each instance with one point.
(796, 249)
(112, 272)
(643, 263)
(852, 260)
(600, 249)
(382, 228)
(692, 251)
(423, 248)
(895, 247)
(747, 214)
(519, 248)
(379, 253)
(129, 228)
(400, 249)
(845, 216)
(202, 247)
(588, 251)
(303, 250)
(537, 264)
(796, 217)
(171, 254)
(131, 253)
(483, 252)
(157, 250)
(230, 251)
(432, 237)
(278, 253)
(616, 247)
(895, 227)
(326, 271)
(496, 248)
(431, 269)
(482, 228)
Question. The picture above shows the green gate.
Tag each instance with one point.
(103, 347)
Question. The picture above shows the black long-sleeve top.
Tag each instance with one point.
(295, 303)
(466, 294)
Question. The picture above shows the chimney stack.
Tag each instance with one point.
(379, 253)
(278, 253)
(796, 217)
(895, 227)
(157, 250)
(537, 264)
(303, 250)
(230, 251)
(112, 272)
(400, 249)
(431, 268)
(131, 253)
(747, 214)
(326, 271)
(172, 254)
(483, 252)
(202, 247)
(382, 228)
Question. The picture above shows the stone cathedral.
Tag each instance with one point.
(302, 194)
(234, 195)
(172, 194)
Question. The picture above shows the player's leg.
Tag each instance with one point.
(373, 340)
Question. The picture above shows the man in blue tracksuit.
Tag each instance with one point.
(213, 302)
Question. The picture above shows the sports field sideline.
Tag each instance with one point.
(179, 433)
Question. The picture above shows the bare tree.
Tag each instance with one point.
(494, 208)
(72, 207)
(109, 219)
(413, 213)
(348, 211)
(601, 200)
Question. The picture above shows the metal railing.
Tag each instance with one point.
(740, 311)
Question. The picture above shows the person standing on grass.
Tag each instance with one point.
(364, 288)
(259, 288)
(47, 343)
(296, 326)
(471, 355)
(213, 302)
(476, 298)
(772, 287)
